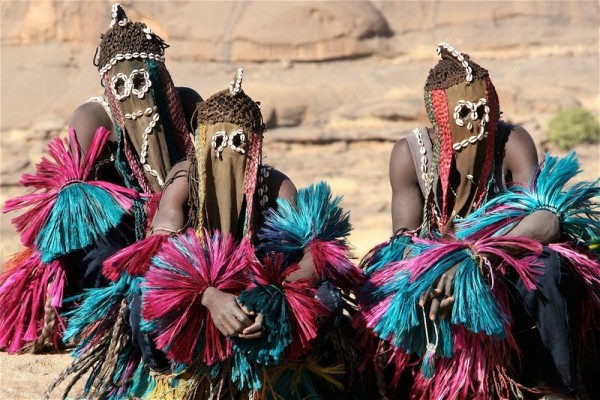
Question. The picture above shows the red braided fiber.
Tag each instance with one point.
(112, 100)
(442, 120)
(183, 142)
(250, 180)
(151, 208)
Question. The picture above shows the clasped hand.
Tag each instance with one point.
(231, 318)
(440, 296)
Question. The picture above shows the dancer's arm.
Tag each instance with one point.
(521, 161)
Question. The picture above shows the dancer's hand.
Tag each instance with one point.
(441, 296)
(228, 316)
(255, 330)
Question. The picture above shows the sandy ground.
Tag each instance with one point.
(27, 376)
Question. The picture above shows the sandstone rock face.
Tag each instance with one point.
(315, 31)
(338, 81)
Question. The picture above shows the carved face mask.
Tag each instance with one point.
(131, 84)
(229, 142)
(144, 102)
(469, 126)
(464, 111)
(225, 168)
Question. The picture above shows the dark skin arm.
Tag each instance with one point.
(521, 161)
(170, 216)
(407, 212)
(407, 199)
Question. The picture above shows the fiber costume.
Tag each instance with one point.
(239, 240)
(83, 208)
(503, 285)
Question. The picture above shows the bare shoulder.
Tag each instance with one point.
(281, 186)
(188, 95)
(189, 101)
(519, 136)
(521, 157)
(90, 113)
(520, 144)
(402, 167)
(407, 199)
(86, 119)
(400, 150)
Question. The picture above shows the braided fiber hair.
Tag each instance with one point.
(449, 72)
(238, 109)
(454, 69)
(125, 37)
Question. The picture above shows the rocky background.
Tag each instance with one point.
(338, 82)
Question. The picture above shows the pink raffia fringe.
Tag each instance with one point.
(474, 371)
(331, 261)
(134, 259)
(52, 175)
(173, 289)
(24, 288)
(583, 262)
(305, 309)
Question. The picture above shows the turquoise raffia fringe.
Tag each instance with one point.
(577, 206)
(289, 229)
(80, 215)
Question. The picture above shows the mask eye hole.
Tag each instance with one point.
(140, 82)
(237, 140)
(120, 86)
(219, 142)
(464, 112)
(481, 111)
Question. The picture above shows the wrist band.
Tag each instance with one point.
(164, 229)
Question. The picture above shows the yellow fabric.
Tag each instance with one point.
(309, 365)
(164, 390)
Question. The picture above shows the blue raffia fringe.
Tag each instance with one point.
(80, 215)
(289, 229)
(577, 206)
(270, 347)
